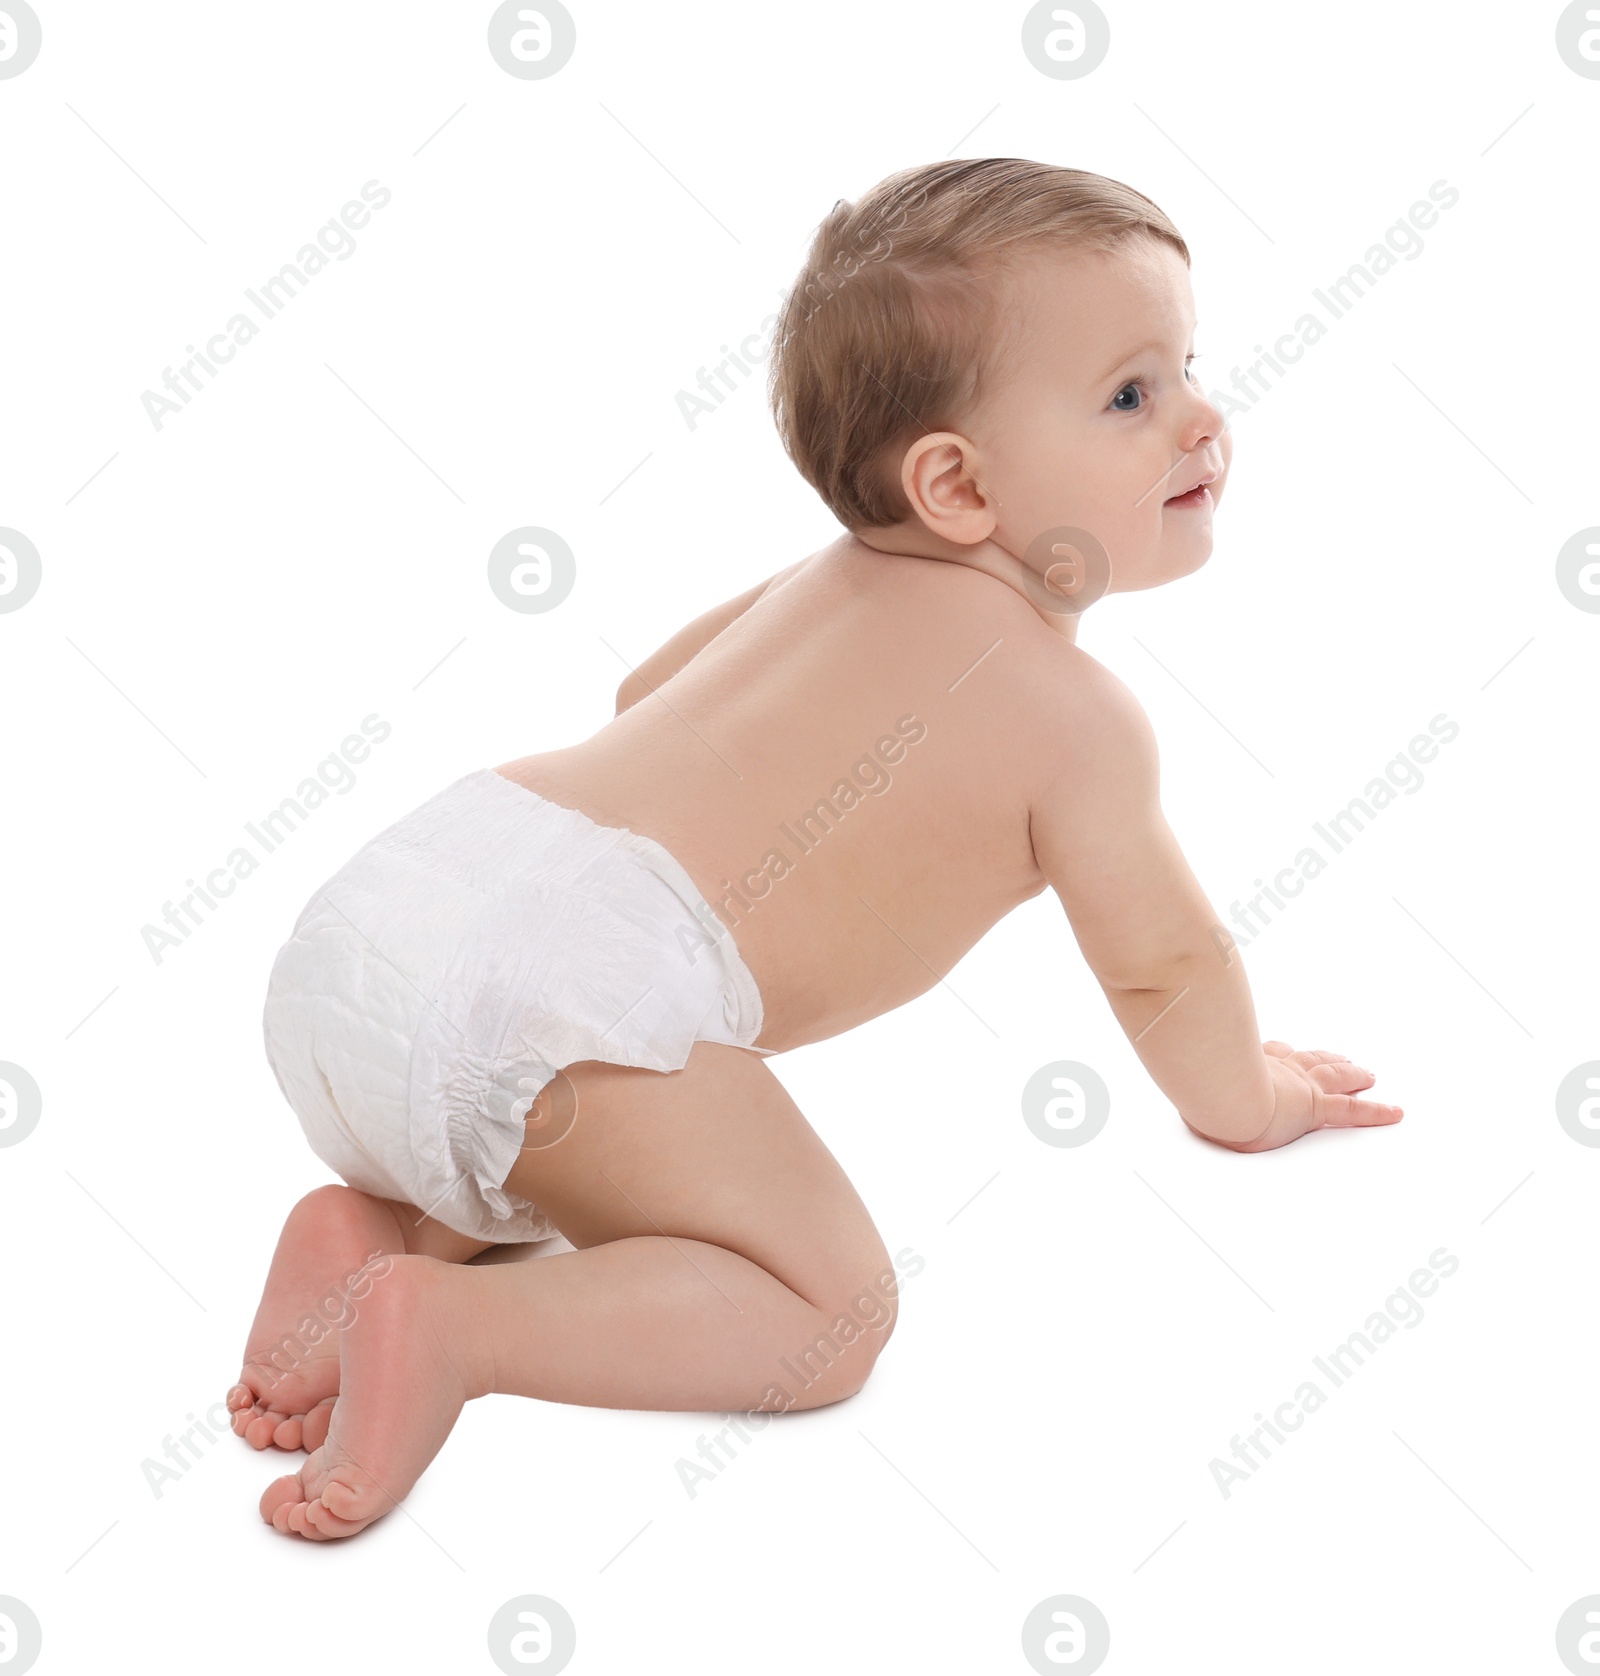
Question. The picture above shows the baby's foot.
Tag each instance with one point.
(405, 1377)
(330, 1256)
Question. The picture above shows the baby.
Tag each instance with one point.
(540, 1001)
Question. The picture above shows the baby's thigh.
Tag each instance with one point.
(716, 1152)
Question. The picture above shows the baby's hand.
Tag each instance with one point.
(1314, 1090)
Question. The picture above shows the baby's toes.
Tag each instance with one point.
(280, 1498)
(321, 1521)
(288, 1432)
(261, 1429)
(284, 1505)
(253, 1397)
(293, 1521)
(304, 1431)
(287, 1505)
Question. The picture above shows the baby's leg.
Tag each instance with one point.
(291, 1362)
(718, 1240)
(720, 1244)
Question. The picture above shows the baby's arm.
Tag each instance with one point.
(1169, 970)
(693, 638)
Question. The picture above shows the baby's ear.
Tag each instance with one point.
(939, 479)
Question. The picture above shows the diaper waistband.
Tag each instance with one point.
(702, 920)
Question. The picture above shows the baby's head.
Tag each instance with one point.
(994, 354)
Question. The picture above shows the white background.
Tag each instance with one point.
(230, 595)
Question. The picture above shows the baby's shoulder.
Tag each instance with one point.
(1036, 657)
(926, 618)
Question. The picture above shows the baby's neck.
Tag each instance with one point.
(988, 556)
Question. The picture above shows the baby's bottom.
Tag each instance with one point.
(724, 1262)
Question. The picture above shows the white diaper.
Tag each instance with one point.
(459, 960)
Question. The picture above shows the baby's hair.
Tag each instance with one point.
(889, 330)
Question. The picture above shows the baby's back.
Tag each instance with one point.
(846, 771)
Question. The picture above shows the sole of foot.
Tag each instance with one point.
(405, 1380)
(334, 1249)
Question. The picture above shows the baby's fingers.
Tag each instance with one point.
(1343, 1111)
(1337, 1082)
(1307, 1058)
(1332, 1073)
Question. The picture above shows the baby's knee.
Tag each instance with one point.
(839, 1357)
(332, 1198)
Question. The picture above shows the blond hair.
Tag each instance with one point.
(887, 333)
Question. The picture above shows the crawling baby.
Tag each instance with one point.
(541, 1001)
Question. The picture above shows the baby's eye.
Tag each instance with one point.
(1136, 388)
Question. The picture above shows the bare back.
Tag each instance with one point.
(846, 773)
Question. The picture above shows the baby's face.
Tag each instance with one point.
(1095, 421)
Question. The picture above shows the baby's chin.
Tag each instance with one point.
(1173, 559)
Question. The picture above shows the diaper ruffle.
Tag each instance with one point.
(485, 1103)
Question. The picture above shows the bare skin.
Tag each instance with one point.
(290, 1377)
(863, 764)
(725, 1263)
